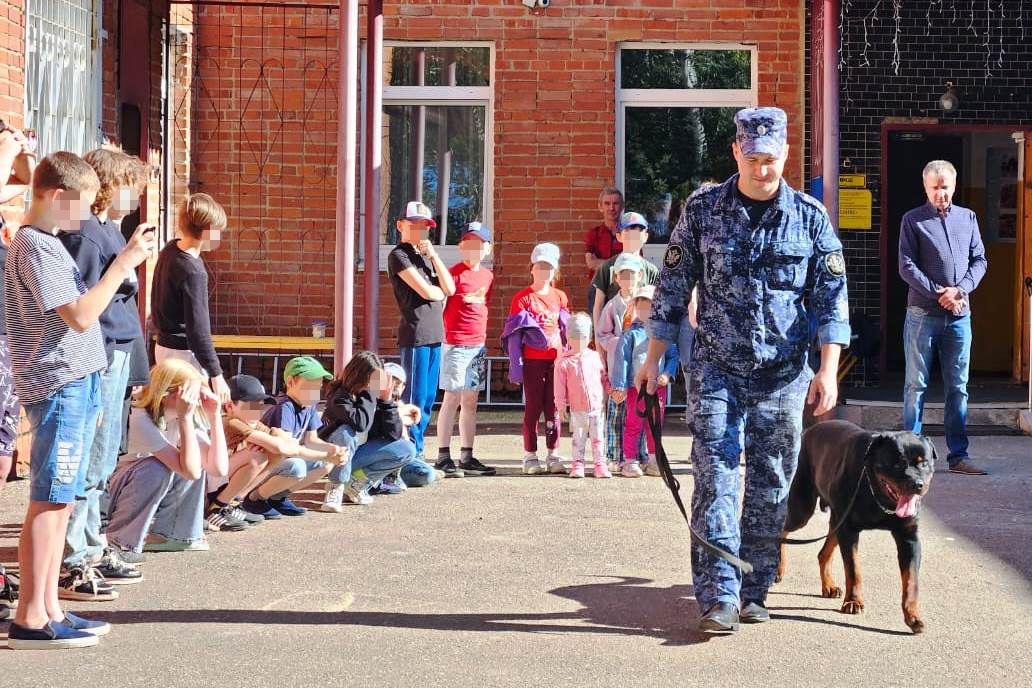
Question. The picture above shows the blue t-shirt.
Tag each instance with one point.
(292, 417)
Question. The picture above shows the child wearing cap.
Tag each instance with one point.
(533, 337)
(179, 295)
(295, 413)
(464, 354)
(417, 472)
(580, 382)
(361, 415)
(615, 318)
(253, 447)
(421, 284)
(634, 344)
(634, 234)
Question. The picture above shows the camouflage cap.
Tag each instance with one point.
(762, 131)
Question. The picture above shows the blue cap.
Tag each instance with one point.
(762, 130)
(477, 229)
(628, 220)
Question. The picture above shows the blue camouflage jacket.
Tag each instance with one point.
(757, 287)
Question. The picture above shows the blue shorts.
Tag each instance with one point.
(463, 368)
(62, 427)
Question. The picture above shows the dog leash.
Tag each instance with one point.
(653, 417)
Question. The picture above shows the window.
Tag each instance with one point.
(62, 74)
(674, 121)
(437, 137)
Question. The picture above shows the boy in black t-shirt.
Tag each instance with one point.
(421, 285)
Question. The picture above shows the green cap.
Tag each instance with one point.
(307, 367)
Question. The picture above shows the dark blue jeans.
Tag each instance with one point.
(924, 335)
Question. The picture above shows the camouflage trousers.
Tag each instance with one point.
(760, 413)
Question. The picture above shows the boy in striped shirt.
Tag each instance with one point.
(57, 355)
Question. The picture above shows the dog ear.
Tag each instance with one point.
(930, 452)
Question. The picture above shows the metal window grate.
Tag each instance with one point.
(61, 74)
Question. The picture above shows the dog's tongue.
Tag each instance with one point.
(907, 506)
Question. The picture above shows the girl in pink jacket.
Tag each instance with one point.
(580, 382)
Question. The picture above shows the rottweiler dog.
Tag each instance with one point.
(888, 472)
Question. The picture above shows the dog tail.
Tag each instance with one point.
(802, 496)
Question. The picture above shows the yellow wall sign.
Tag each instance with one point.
(854, 209)
(852, 181)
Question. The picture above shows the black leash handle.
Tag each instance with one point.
(652, 413)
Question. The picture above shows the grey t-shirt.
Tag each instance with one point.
(39, 277)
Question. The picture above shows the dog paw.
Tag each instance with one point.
(831, 592)
(853, 607)
(778, 578)
(916, 624)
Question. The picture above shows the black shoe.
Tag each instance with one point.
(8, 592)
(449, 468)
(720, 618)
(128, 556)
(84, 583)
(116, 571)
(240, 513)
(474, 467)
(222, 518)
(260, 507)
(754, 612)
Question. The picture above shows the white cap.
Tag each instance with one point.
(546, 253)
(417, 210)
(646, 292)
(579, 326)
(395, 371)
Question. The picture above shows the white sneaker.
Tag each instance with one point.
(653, 469)
(577, 471)
(631, 470)
(531, 464)
(614, 467)
(334, 501)
(357, 492)
(555, 464)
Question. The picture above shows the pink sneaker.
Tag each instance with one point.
(601, 470)
(577, 470)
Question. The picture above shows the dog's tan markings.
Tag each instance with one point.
(828, 587)
(911, 613)
(854, 602)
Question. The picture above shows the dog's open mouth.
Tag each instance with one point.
(906, 505)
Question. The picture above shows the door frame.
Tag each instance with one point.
(883, 219)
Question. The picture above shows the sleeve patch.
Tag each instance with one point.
(673, 257)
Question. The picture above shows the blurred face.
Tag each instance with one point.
(412, 232)
(643, 309)
(542, 272)
(759, 175)
(611, 208)
(380, 385)
(250, 411)
(211, 238)
(628, 280)
(473, 249)
(939, 188)
(633, 238)
(124, 201)
(303, 391)
(72, 208)
(579, 344)
(397, 388)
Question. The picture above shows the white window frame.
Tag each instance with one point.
(483, 96)
(676, 97)
(52, 122)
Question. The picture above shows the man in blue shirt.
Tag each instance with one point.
(764, 257)
(942, 259)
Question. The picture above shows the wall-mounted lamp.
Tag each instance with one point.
(948, 101)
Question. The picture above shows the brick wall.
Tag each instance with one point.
(12, 78)
(554, 139)
(872, 93)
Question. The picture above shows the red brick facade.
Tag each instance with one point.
(554, 131)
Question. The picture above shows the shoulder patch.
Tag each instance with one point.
(673, 256)
(835, 264)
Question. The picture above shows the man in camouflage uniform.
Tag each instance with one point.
(765, 258)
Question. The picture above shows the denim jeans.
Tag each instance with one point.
(375, 460)
(422, 365)
(83, 539)
(924, 335)
(145, 496)
(418, 473)
(62, 427)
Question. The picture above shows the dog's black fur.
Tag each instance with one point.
(831, 462)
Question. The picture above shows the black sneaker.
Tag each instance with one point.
(8, 593)
(260, 507)
(240, 513)
(449, 468)
(474, 467)
(222, 518)
(116, 571)
(84, 583)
